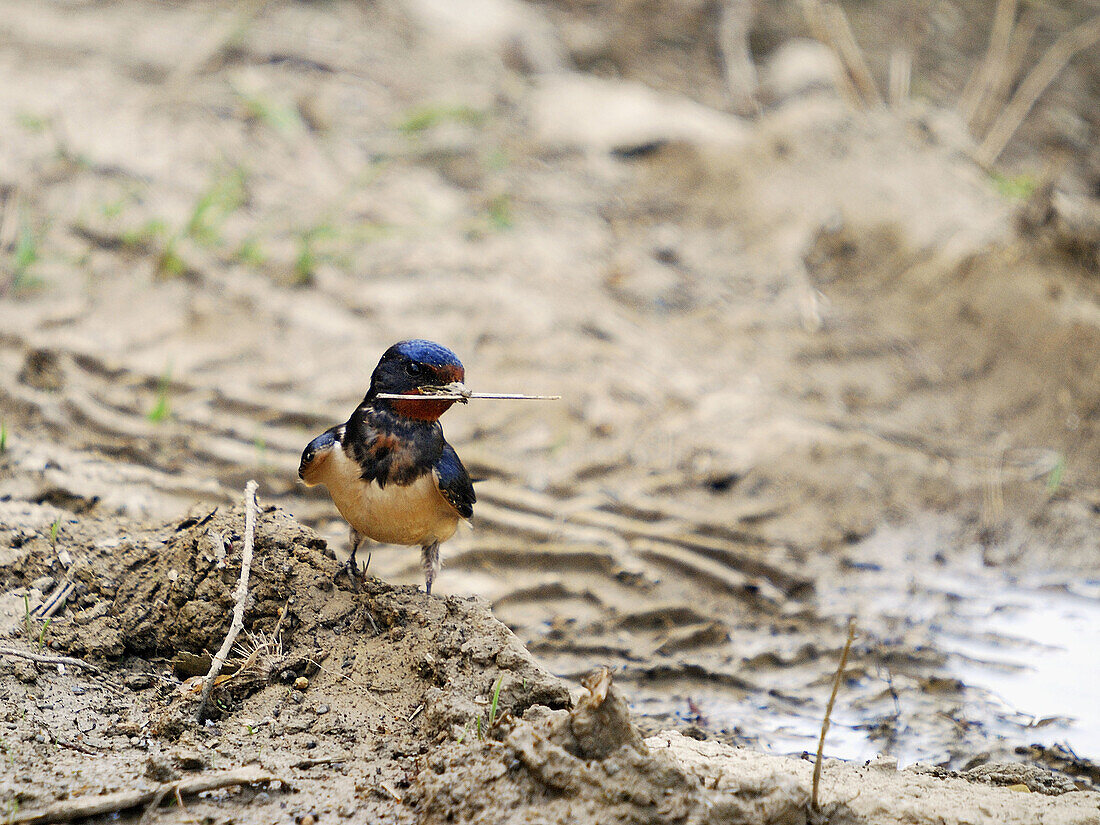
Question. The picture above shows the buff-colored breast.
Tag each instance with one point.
(414, 514)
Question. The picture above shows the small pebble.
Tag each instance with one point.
(43, 583)
(322, 709)
(301, 683)
(139, 681)
(296, 696)
(189, 761)
(78, 690)
(308, 819)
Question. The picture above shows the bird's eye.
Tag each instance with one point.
(414, 369)
(308, 456)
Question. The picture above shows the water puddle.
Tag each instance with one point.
(954, 664)
(1028, 655)
(1037, 653)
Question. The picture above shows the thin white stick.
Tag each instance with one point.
(499, 396)
(240, 597)
(48, 660)
(86, 806)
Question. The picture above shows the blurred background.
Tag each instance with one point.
(818, 283)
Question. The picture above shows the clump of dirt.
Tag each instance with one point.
(585, 765)
(170, 592)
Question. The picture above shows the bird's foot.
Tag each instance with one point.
(430, 562)
(351, 570)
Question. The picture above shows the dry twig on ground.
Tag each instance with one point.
(240, 598)
(85, 806)
(48, 660)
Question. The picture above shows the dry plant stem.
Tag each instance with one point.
(1065, 48)
(981, 80)
(840, 34)
(56, 600)
(813, 12)
(240, 597)
(492, 396)
(829, 712)
(86, 806)
(901, 76)
(48, 660)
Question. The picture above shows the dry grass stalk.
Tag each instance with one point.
(1057, 57)
(901, 76)
(1007, 73)
(981, 80)
(814, 804)
(844, 42)
(240, 598)
(813, 11)
(96, 805)
(48, 660)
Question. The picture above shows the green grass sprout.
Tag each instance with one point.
(1016, 187)
(494, 704)
(221, 199)
(161, 408)
(1054, 478)
(423, 118)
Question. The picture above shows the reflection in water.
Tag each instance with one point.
(1038, 652)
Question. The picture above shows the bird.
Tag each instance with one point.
(388, 468)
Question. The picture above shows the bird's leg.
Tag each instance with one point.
(430, 560)
(350, 567)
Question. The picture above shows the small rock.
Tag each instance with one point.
(43, 583)
(189, 761)
(301, 683)
(590, 113)
(78, 690)
(322, 709)
(297, 697)
(139, 681)
(307, 819)
(159, 771)
(799, 67)
(42, 370)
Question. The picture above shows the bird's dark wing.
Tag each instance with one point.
(454, 482)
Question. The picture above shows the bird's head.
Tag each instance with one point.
(416, 368)
(314, 457)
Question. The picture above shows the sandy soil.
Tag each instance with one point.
(814, 364)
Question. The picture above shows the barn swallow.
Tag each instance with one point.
(389, 470)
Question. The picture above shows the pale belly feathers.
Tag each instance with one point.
(413, 514)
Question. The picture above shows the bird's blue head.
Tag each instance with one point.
(314, 456)
(409, 365)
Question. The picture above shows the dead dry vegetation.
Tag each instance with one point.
(814, 363)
